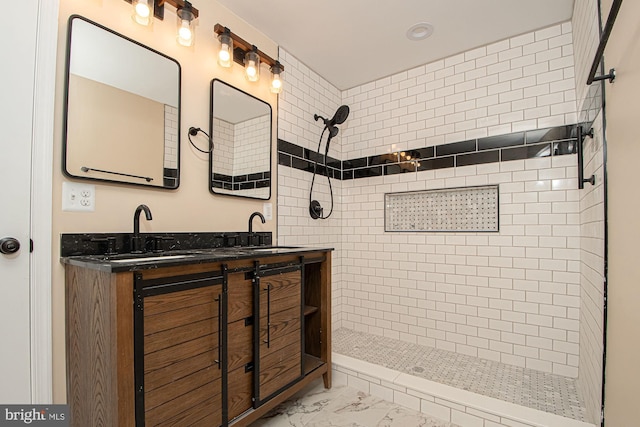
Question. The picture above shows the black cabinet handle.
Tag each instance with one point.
(219, 300)
(268, 340)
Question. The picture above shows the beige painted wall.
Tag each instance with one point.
(191, 207)
(95, 142)
(622, 374)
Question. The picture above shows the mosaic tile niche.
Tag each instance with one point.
(452, 209)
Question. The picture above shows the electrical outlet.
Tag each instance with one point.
(267, 211)
(78, 197)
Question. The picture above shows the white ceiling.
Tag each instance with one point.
(351, 42)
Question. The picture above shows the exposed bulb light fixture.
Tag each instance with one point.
(252, 65)
(225, 54)
(235, 48)
(143, 12)
(185, 25)
(276, 82)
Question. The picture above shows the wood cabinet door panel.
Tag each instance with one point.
(179, 335)
(183, 299)
(240, 297)
(240, 391)
(280, 324)
(175, 371)
(171, 355)
(239, 345)
(279, 333)
(280, 368)
(180, 316)
(187, 408)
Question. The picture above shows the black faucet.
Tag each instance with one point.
(253, 215)
(136, 241)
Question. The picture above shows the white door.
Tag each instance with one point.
(18, 50)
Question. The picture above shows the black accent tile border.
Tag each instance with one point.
(554, 141)
(241, 182)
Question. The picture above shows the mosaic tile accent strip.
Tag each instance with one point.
(450, 209)
(526, 387)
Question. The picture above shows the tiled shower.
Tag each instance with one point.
(528, 296)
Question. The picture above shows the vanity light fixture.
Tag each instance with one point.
(233, 47)
(145, 10)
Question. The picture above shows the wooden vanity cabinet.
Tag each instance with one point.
(213, 344)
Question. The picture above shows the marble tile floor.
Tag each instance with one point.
(343, 406)
(526, 387)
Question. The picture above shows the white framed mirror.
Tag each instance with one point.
(122, 115)
(240, 127)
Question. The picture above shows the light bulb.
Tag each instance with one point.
(251, 69)
(226, 47)
(142, 12)
(252, 62)
(185, 37)
(142, 9)
(276, 83)
(224, 53)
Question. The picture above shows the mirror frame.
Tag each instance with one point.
(66, 107)
(212, 153)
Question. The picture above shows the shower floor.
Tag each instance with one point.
(526, 387)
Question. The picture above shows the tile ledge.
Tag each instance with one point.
(482, 403)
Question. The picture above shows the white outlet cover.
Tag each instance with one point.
(267, 211)
(78, 197)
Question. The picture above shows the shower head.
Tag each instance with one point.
(338, 118)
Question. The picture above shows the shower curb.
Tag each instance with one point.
(461, 407)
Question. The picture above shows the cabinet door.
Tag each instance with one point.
(239, 344)
(178, 352)
(278, 331)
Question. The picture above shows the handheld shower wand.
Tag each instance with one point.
(341, 114)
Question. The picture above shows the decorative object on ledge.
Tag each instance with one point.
(248, 55)
(615, 8)
(145, 10)
(468, 209)
(581, 179)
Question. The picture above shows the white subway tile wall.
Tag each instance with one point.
(306, 94)
(513, 296)
(223, 135)
(526, 82)
(170, 137)
(585, 42)
(252, 155)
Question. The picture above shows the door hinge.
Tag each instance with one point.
(248, 367)
(30, 245)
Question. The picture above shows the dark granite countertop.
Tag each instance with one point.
(150, 260)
